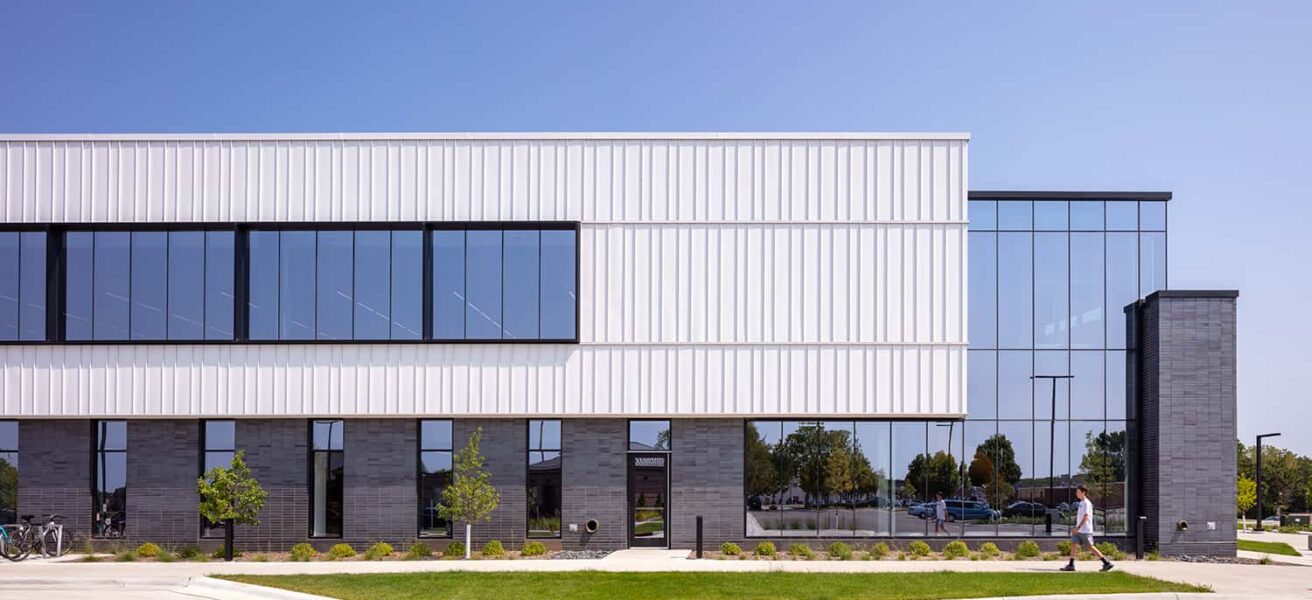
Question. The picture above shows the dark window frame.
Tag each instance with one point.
(309, 480)
(96, 533)
(205, 526)
(528, 464)
(56, 268)
(419, 476)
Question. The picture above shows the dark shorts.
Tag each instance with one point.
(1082, 539)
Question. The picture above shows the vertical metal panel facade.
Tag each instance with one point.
(720, 274)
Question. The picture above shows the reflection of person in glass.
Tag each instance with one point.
(940, 513)
(1083, 536)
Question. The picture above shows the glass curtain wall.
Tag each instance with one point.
(1048, 283)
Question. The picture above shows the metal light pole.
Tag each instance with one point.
(1259, 478)
(1052, 446)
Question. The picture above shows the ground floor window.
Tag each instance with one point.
(218, 446)
(109, 479)
(8, 472)
(327, 471)
(931, 478)
(434, 476)
(544, 478)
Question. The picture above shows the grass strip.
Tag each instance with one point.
(1268, 547)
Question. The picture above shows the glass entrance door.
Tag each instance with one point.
(649, 492)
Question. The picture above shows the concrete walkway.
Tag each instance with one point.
(170, 581)
(1299, 541)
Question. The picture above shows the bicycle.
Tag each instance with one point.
(10, 547)
(25, 537)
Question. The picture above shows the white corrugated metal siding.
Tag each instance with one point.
(720, 276)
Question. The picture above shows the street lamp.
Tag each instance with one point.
(1052, 446)
(1259, 477)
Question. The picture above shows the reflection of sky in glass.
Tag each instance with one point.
(263, 290)
(335, 299)
(646, 435)
(558, 282)
(111, 283)
(219, 298)
(435, 435)
(483, 285)
(328, 435)
(220, 435)
(448, 285)
(407, 281)
(186, 285)
(373, 267)
(296, 285)
(149, 285)
(543, 435)
(520, 296)
(9, 285)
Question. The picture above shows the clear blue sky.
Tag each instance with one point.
(1210, 100)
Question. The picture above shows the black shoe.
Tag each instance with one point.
(1106, 566)
(1069, 567)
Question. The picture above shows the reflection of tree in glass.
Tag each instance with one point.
(995, 469)
(827, 465)
(8, 485)
(938, 471)
(1104, 457)
(663, 440)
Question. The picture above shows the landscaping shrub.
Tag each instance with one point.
(166, 556)
(765, 549)
(800, 551)
(493, 548)
(303, 552)
(730, 549)
(148, 550)
(1154, 555)
(955, 549)
(918, 549)
(1111, 551)
(419, 550)
(378, 551)
(840, 551)
(989, 549)
(190, 552)
(879, 550)
(125, 556)
(340, 551)
(1027, 549)
(533, 548)
(454, 550)
(1064, 548)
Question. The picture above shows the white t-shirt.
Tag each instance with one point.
(1086, 510)
(941, 510)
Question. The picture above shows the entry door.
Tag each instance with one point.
(649, 495)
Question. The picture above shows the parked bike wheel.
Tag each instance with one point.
(14, 547)
(50, 544)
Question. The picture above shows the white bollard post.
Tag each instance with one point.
(468, 527)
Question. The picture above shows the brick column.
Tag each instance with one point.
(163, 464)
(381, 493)
(595, 484)
(54, 471)
(277, 452)
(706, 479)
(505, 445)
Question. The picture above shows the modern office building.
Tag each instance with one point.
(791, 336)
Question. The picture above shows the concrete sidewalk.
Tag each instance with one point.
(1299, 541)
(169, 579)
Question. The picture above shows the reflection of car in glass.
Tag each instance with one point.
(967, 510)
(1024, 509)
(1271, 521)
(753, 503)
(917, 509)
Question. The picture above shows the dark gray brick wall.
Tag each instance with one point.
(163, 464)
(380, 496)
(706, 479)
(505, 446)
(1188, 400)
(277, 454)
(54, 471)
(595, 484)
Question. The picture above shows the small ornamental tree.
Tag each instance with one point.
(470, 497)
(1246, 497)
(230, 495)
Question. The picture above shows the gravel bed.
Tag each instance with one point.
(578, 554)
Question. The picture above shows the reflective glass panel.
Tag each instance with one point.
(1086, 215)
(910, 479)
(544, 435)
(544, 478)
(1087, 386)
(1152, 263)
(373, 266)
(448, 285)
(296, 285)
(1018, 493)
(112, 284)
(1015, 290)
(767, 478)
(220, 435)
(434, 475)
(9, 285)
(483, 285)
(649, 435)
(1051, 290)
(1050, 216)
(1051, 466)
(980, 479)
(78, 290)
(836, 488)
(983, 296)
(186, 283)
(149, 318)
(32, 289)
(1152, 216)
(1014, 385)
(520, 283)
(219, 273)
(983, 384)
(1087, 294)
(1052, 362)
(1112, 476)
(1097, 461)
(1122, 283)
(944, 476)
(407, 285)
(559, 283)
(109, 479)
(335, 302)
(983, 214)
(262, 305)
(873, 504)
(1116, 400)
(1015, 215)
(1122, 216)
(327, 435)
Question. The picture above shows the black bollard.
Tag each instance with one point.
(699, 536)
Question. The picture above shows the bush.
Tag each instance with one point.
(800, 551)
(1064, 548)
(730, 549)
(533, 548)
(419, 550)
(148, 550)
(1111, 551)
(764, 549)
(166, 556)
(840, 550)
(1154, 555)
(956, 549)
(879, 550)
(454, 550)
(190, 552)
(125, 556)
(1027, 549)
(918, 549)
(493, 548)
(340, 551)
(303, 552)
(989, 549)
(378, 551)
(217, 554)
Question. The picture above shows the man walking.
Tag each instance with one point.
(1083, 534)
(940, 514)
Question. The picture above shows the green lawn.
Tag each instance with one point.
(597, 585)
(1268, 547)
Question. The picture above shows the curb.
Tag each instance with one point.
(142, 583)
(210, 587)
